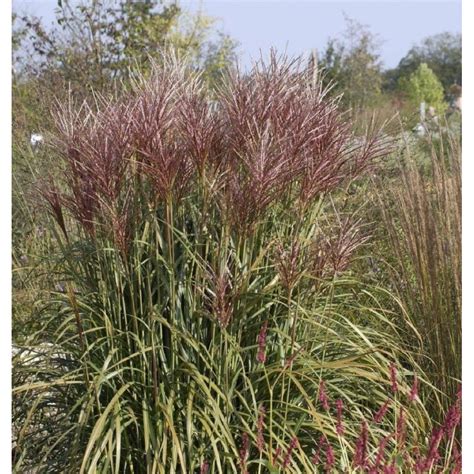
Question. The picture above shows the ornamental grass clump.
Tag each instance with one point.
(205, 303)
(421, 213)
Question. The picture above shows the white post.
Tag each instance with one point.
(422, 111)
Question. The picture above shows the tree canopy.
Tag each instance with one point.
(353, 65)
(97, 41)
(443, 55)
(423, 86)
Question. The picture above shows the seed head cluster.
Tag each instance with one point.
(267, 136)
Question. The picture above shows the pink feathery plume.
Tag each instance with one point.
(382, 411)
(323, 398)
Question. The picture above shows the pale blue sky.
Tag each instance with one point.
(298, 26)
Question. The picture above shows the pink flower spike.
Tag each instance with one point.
(401, 427)
(360, 456)
(330, 459)
(323, 398)
(381, 452)
(457, 460)
(382, 411)
(244, 452)
(390, 469)
(339, 424)
(204, 467)
(453, 418)
(293, 445)
(433, 456)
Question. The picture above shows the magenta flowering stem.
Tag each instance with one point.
(382, 411)
(451, 422)
(360, 455)
(244, 453)
(330, 458)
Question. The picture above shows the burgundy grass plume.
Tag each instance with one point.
(201, 131)
(288, 263)
(268, 136)
(219, 295)
(54, 199)
(332, 251)
(161, 153)
(282, 132)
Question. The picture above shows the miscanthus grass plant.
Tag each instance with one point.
(205, 319)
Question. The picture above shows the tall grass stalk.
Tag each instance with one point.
(423, 219)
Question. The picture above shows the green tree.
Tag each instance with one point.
(423, 86)
(96, 42)
(353, 65)
(443, 55)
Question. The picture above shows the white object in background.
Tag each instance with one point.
(419, 129)
(422, 111)
(36, 139)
